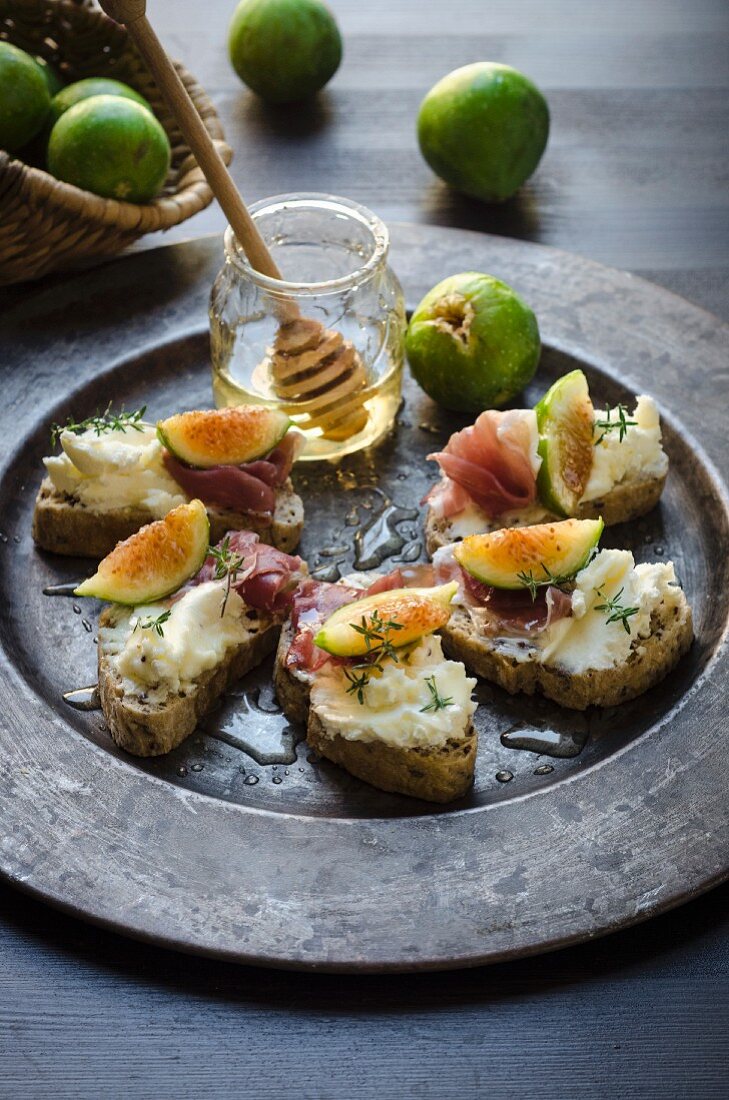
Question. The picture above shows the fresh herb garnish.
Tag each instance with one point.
(621, 423)
(375, 632)
(153, 624)
(358, 681)
(227, 564)
(617, 612)
(437, 701)
(533, 583)
(107, 422)
(529, 581)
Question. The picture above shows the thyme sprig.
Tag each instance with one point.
(609, 425)
(617, 612)
(106, 422)
(533, 583)
(358, 681)
(437, 701)
(228, 564)
(150, 623)
(375, 630)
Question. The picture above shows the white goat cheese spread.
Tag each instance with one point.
(116, 469)
(638, 455)
(393, 709)
(194, 639)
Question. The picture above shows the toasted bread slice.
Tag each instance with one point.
(63, 525)
(440, 774)
(649, 661)
(627, 501)
(151, 728)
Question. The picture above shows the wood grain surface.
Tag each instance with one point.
(635, 175)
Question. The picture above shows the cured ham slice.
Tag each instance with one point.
(493, 464)
(503, 610)
(284, 455)
(267, 578)
(314, 602)
(516, 612)
(387, 583)
(248, 488)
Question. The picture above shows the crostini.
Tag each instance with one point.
(117, 472)
(185, 622)
(542, 609)
(361, 667)
(563, 458)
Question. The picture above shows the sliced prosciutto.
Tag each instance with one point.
(388, 582)
(266, 578)
(493, 464)
(316, 600)
(503, 610)
(313, 602)
(515, 612)
(248, 488)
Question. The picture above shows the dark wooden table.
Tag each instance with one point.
(635, 175)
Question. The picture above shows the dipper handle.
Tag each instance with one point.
(316, 373)
(132, 14)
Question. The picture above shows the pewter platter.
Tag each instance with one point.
(241, 844)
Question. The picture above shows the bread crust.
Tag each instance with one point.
(150, 729)
(622, 504)
(650, 660)
(292, 690)
(440, 774)
(62, 525)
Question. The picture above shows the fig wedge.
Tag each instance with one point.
(566, 419)
(223, 437)
(521, 557)
(155, 561)
(397, 618)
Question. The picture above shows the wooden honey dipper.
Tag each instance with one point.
(317, 374)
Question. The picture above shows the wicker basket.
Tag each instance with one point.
(47, 225)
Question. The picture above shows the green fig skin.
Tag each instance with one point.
(473, 343)
(284, 50)
(483, 129)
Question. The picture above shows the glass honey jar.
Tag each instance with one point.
(326, 342)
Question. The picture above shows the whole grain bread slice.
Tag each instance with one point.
(63, 525)
(625, 502)
(649, 661)
(440, 774)
(150, 728)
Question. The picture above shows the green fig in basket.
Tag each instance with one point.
(25, 100)
(112, 146)
(50, 75)
(86, 89)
